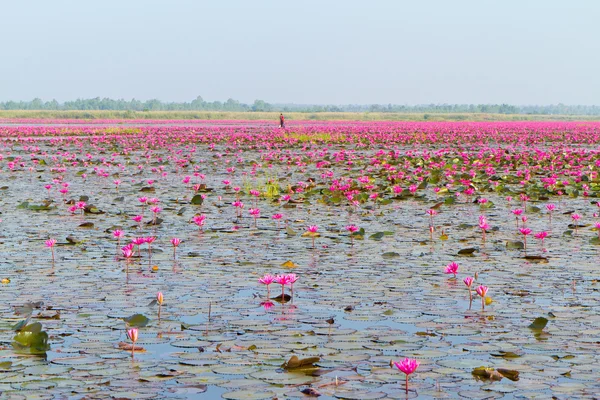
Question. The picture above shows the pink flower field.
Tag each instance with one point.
(354, 260)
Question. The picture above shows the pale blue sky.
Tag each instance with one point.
(303, 51)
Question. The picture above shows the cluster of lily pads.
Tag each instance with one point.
(240, 195)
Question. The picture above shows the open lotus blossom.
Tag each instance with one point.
(550, 208)
(128, 253)
(575, 217)
(291, 279)
(312, 231)
(541, 236)
(267, 280)
(525, 232)
(451, 268)
(351, 229)
(51, 243)
(282, 280)
(517, 212)
(199, 220)
(118, 234)
(597, 226)
(149, 240)
(138, 219)
(255, 212)
(407, 366)
(277, 217)
(483, 225)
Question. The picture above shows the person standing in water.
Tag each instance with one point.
(281, 121)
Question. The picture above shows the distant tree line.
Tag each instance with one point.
(199, 104)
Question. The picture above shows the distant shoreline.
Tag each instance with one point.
(291, 116)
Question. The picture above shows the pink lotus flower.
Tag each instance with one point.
(199, 220)
(482, 291)
(138, 219)
(132, 334)
(351, 228)
(267, 279)
(291, 278)
(541, 235)
(312, 231)
(451, 268)
(282, 280)
(118, 234)
(468, 281)
(408, 366)
(525, 232)
(51, 243)
(175, 242)
(156, 209)
(127, 253)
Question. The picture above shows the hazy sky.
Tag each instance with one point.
(303, 51)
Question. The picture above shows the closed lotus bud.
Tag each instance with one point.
(132, 334)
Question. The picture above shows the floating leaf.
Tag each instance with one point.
(377, 236)
(467, 252)
(536, 259)
(295, 362)
(137, 320)
(495, 375)
(538, 324)
(90, 209)
(31, 340)
(289, 264)
(515, 245)
(197, 200)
